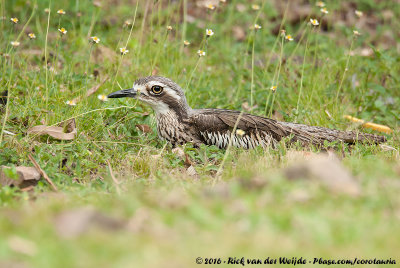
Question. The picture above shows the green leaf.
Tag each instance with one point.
(11, 172)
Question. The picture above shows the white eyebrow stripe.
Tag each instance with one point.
(172, 93)
(166, 88)
(153, 83)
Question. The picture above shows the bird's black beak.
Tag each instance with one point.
(123, 93)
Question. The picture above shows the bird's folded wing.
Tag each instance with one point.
(221, 121)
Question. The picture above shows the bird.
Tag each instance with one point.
(178, 123)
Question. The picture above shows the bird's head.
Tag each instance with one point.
(161, 93)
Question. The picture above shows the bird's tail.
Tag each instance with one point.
(317, 135)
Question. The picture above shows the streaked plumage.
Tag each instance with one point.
(179, 124)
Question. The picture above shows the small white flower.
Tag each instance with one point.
(255, 7)
(102, 97)
(289, 37)
(70, 102)
(209, 32)
(356, 33)
(320, 4)
(169, 28)
(324, 10)
(31, 35)
(123, 50)
(14, 20)
(63, 31)
(61, 12)
(95, 39)
(257, 27)
(273, 88)
(186, 43)
(240, 132)
(15, 43)
(201, 53)
(359, 13)
(210, 6)
(314, 22)
(97, 3)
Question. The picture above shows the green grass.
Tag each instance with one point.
(166, 216)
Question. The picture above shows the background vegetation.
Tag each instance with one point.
(127, 199)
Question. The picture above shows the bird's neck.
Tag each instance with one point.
(181, 111)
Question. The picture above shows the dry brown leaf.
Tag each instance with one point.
(387, 148)
(26, 176)
(191, 171)
(72, 223)
(295, 156)
(95, 88)
(246, 106)
(188, 162)
(254, 183)
(277, 116)
(239, 33)
(69, 125)
(91, 90)
(65, 131)
(53, 131)
(103, 53)
(174, 199)
(299, 195)
(328, 170)
(140, 221)
(144, 128)
(179, 152)
(22, 245)
(241, 8)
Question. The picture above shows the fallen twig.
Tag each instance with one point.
(91, 90)
(377, 127)
(42, 172)
(116, 182)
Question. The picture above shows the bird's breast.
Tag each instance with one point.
(170, 128)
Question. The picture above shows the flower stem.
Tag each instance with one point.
(302, 78)
(276, 81)
(45, 62)
(8, 100)
(252, 72)
(345, 71)
(87, 66)
(191, 75)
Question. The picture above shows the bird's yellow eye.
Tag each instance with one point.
(156, 90)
